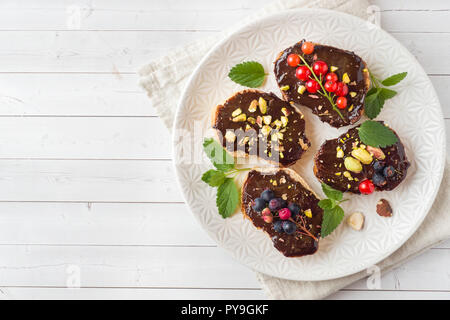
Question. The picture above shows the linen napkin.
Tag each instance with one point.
(168, 75)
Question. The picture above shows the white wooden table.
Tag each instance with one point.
(86, 179)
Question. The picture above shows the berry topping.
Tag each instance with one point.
(378, 166)
(366, 187)
(289, 227)
(259, 204)
(341, 90)
(341, 102)
(277, 226)
(295, 209)
(284, 213)
(293, 60)
(330, 86)
(312, 86)
(331, 77)
(379, 180)
(302, 73)
(307, 47)
(267, 195)
(275, 204)
(320, 68)
(389, 171)
(268, 219)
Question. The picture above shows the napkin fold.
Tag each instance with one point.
(164, 77)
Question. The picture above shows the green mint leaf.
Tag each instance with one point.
(227, 198)
(249, 74)
(331, 220)
(376, 134)
(213, 177)
(374, 103)
(332, 193)
(387, 93)
(219, 157)
(394, 79)
(327, 204)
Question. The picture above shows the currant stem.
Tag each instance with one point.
(325, 94)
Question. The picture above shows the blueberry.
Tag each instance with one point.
(378, 166)
(295, 209)
(289, 227)
(379, 180)
(259, 204)
(275, 204)
(389, 171)
(277, 226)
(267, 195)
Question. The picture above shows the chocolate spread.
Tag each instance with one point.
(283, 185)
(292, 141)
(329, 169)
(346, 62)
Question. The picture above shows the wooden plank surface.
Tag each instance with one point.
(85, 175)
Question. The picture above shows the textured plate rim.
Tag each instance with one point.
(368, 263)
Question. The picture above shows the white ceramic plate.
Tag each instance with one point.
(414, 113)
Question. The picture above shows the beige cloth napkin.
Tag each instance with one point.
(168, 75)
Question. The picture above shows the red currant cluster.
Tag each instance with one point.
(320, 69)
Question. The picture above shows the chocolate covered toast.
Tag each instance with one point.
(279, 202)
(349, 81)
(345, 163)
(255, 123)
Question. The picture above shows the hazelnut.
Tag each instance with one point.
(356, 221)
(384, 208)
(376, 152)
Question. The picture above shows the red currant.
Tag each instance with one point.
(331, 77)
(366, 187)
(330, 86)
(284, 213)
(307, 47)
(320, 68)
(312, 86)
(341, 102)
(302, 73)
(342, 89)
(293, 60)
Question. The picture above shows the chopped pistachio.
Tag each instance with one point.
(236, 112)
(285, 111)
(333, 68)
(253, 106)
(284, 121)
(267, 119)
(308, 213)
(285, 88)
(351, 108)
(262, 105)
(230, 136)
(339, 153)
(338, 174)
(251, 120)
(301, 89)
(240, 118)
(266, 130)
(247, 127)
(353, 94)
(345, 78)
(277, 123)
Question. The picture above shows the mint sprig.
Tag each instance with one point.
(377, 95)
(249, 74)
(376, 134)
(333, 214)
(227, 197)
